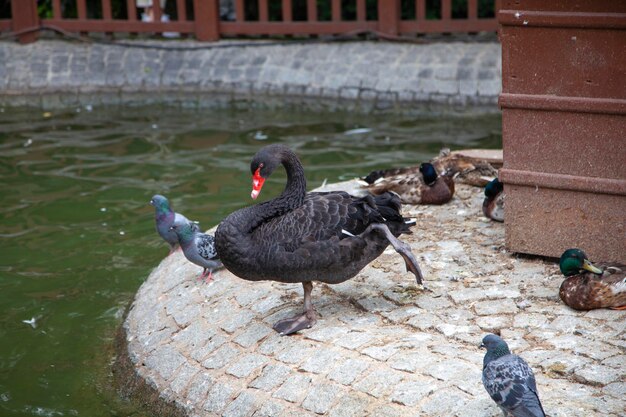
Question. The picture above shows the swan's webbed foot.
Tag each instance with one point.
(305, 320)
(291, 325)
(404, 250)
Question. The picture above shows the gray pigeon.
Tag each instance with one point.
(165, 218)
(199, 248)
(509, 380)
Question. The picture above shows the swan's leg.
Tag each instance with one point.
(403, 249)
(302, 321)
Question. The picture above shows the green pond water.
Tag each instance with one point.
(78, 234)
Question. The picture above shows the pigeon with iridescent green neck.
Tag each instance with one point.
(198, 248)
(165, 218)
(509, 380)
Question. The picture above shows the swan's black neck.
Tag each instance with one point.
(291, 197)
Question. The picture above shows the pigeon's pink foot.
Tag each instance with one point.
(209, 277)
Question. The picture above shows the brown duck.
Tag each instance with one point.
(305, 237)
(469, 170)
(423, 187)
(493, 204)
(589, 286)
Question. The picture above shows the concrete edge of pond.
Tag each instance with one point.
(134, 388)
(357, 76)
(381, 346)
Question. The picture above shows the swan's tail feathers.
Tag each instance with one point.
(388, 205)
(404, 250)
(408, 222)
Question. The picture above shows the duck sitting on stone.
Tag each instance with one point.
(589, 286)
(165, 217)
(493, 204)
(423, 187)
(465, 169)
(198, 248)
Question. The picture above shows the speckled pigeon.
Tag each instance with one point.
(509, 380)
(199, 248)
(165, 218)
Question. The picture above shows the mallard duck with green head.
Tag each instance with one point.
(423, 187)
(493, 204)
(589, 286)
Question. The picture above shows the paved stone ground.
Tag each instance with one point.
(366, 75)
(382, 347)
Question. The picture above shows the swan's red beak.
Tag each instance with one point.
(257, 183)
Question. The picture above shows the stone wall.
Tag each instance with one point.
(364, 75)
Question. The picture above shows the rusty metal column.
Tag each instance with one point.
(388, 16)
(207, 20)
(25, 17)
(563, 121)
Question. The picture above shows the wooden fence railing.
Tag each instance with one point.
(201, 18)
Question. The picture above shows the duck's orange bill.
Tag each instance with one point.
(257, 183)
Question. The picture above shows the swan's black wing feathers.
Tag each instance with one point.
(322, 216)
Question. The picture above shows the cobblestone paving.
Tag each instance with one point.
(377, 75)
(381, 347)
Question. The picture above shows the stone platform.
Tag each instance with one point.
(359, 75)
(381, 347)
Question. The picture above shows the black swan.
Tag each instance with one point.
(304, 237)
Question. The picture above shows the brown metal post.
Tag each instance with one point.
(240, 15)
(361, 15)
(335, 10)
(181, 10)
(25, 17)
(207, 20)
(388, 16)
(287, 11)
(311, 10)
(56, 9)
(263, 11)
(81, 9)
(131, 10)
(420, 10)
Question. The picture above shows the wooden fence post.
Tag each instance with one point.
(388, 16)
(207, 20)
(25, 16)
